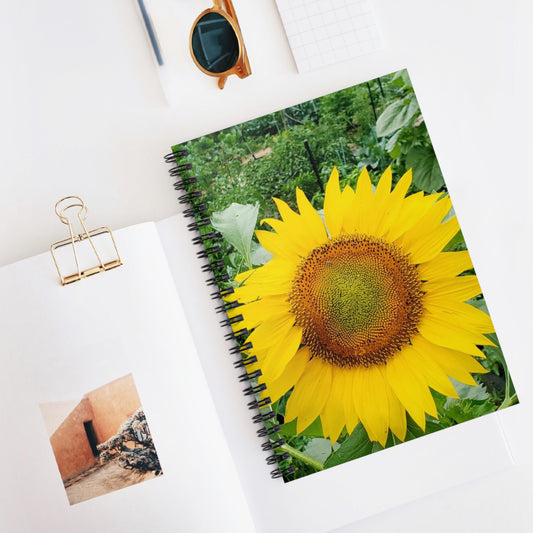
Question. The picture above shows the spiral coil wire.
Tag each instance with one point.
(207, 238)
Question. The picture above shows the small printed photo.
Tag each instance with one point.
(101, 440)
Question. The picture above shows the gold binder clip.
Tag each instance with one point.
(108, 246)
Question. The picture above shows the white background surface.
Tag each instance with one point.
(82, 112)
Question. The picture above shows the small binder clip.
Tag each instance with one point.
(86, 259)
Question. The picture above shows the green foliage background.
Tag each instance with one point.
(373, 125)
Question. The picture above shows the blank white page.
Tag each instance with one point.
(325, 32)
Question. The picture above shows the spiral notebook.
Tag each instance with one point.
(352, 303)
(251, 416)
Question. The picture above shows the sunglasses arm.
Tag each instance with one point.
(226, 5)
(222, 81)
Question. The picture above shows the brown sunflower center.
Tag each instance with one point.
(357, 299)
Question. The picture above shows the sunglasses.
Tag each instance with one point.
(216, 43)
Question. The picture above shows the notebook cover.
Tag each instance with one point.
(345, 273)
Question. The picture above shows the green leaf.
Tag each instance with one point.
(376, 447)
(401, 78)
(439, 398)
(237, 224)
(427, 175)
(355, 446)
(259, 255)
(474, 402)
(463, 410)
(414, 431)
(456, 241)
(313, 430)
(319, 449)
(396, 152)
(495, 361)
(479, 303)
(469, 391)
(396, 116)
(392, 145)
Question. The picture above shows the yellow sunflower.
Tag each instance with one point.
(360, 311)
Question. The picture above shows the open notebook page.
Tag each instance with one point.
(63, 345)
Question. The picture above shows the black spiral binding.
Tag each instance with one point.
(207, 237)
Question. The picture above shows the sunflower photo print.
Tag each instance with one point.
(362, 318)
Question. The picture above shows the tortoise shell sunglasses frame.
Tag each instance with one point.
(216, 36)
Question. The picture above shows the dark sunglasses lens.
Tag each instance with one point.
(214, 43)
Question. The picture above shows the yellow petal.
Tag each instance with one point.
(275, 223)
(364, 185)
(362, 217)
(409, 389)
(429, 247)
(272, 279)
(422, 364)
(412, 210)
(372, 403)
(271, 331)
(461, 315)
(250, 293)
(286, 213)
(281, 353)
(384, 185)
(279, 245)
(455, 364)
(403, 185)
(445, 265)
(243, 276)
(332, 204)
(310, 394)
(382, 203)
(294, 228)
(457, 289)
(443, 333)
(276, 269)
(345, 380)
(431, 219)
(294, 369)
(315, 226)
(332, 415)
(256, 312)
(395, 202)
(347, 199)
(398, 420)
(427, 234)
(296, 236)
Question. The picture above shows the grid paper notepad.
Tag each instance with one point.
(325, 32)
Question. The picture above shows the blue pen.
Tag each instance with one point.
(167, 77)
(151, 32)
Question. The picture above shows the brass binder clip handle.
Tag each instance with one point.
(68, 205)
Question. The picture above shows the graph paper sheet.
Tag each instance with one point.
(325, 32)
